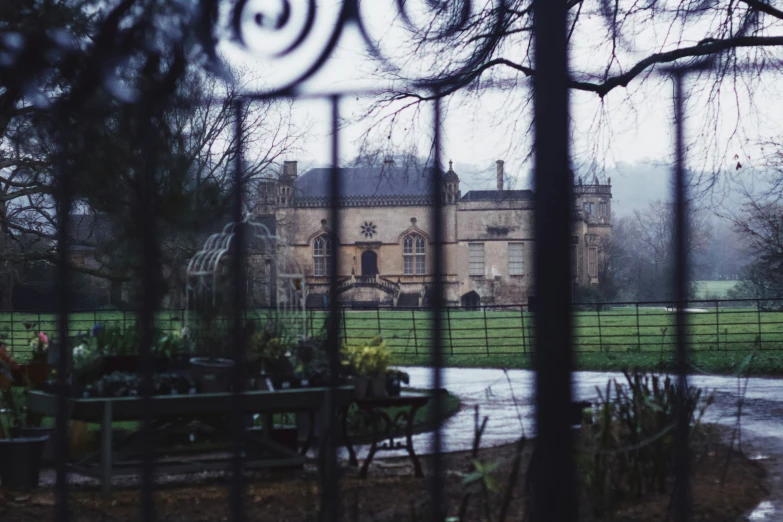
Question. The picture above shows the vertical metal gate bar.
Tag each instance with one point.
(64, 196)
(236, 507)
(681, 457)
(146, 210)
(330, 486)
(554, 484)
(436, 481)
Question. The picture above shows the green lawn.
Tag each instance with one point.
(712, 289)
(511, 332)
(492, 336)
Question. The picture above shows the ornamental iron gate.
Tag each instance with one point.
(554, 486)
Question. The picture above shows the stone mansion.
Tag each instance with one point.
(384, 249)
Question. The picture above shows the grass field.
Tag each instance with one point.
(713, 289)
(508, 332)
(505, 336)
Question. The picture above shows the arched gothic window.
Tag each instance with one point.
(322, 256)
(413, 256)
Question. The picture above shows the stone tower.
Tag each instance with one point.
(285, 188)
(451, 186)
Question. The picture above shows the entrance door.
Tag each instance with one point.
(471, 300)
(369, 263)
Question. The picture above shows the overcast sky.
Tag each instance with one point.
(636, 128)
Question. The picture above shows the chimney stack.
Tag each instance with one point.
(500, 174)
(290, 169)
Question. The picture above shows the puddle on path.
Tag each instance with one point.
(763, 511)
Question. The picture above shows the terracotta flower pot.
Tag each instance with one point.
(35, 374)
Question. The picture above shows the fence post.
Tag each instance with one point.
(378, 318)
(758, 319)
(638, 329)
(522, 319)
(600, 336)
(717, 325)
(448, 322)
(415, 337)
(486, 331)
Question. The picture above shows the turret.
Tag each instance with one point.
(285, 190)
(451, 186)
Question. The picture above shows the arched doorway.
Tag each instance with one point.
(369, 263)
(471, 300)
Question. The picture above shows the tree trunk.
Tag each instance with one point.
(7, 293)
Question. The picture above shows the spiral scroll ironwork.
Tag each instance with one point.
(297, 23)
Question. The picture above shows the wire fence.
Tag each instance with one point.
(720, 325)
(725, 325)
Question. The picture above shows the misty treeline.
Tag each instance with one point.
(640, 255)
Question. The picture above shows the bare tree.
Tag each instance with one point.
(98, 57)
(641, 256)
(614, 46)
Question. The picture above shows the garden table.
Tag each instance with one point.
(169, 410)
(385, 427)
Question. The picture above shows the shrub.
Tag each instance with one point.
(629, 450)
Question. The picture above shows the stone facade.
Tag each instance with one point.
(384, 250)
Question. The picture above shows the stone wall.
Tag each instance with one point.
(495, 225)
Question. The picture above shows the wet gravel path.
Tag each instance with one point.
(506, 398)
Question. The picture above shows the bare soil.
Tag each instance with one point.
(391, 493)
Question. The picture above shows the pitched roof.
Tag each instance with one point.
(498, 195)
(366, 182)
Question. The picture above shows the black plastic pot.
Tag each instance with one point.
(36, 433)
(393, 384)
(20, 462)
(212, 375)
(130, 364)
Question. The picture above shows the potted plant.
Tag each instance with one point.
(369, 364)
(36, 372)
(20, 456)
(212, 372)
(270, 356)
(118, 348)
(8, 370)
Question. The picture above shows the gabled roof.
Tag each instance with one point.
(498, 195)
(366, 182)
